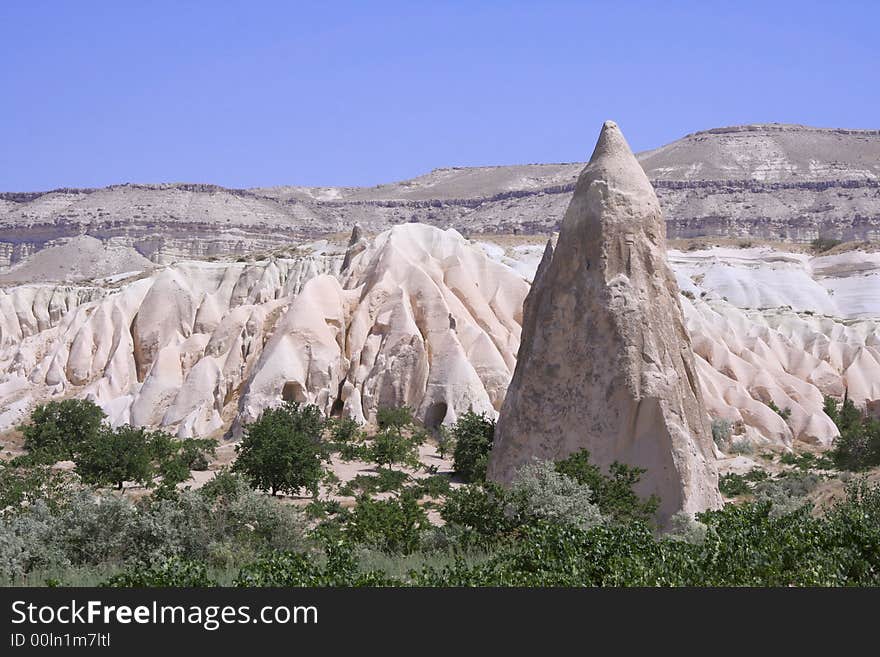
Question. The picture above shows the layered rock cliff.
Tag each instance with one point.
(778, 182)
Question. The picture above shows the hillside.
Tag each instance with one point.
(777, 182)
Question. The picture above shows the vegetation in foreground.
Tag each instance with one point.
(559, 524)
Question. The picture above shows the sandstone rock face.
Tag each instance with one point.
(420, 317)
(605, 362)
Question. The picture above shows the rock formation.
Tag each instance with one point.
(382, 335)
(605, 362)
(181, 346)
(419, 316)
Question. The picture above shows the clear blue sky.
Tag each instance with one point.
(336, 93)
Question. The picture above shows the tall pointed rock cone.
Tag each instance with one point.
(605, 362)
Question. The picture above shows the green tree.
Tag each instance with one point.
(391, 446)
(174, 459)
(21, 486)
(396, 417)
(58, 429)
(472, 435)
(282, 451)
(858, 445)
(397, 440)
(114, 456)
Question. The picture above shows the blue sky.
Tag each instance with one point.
(357, 93)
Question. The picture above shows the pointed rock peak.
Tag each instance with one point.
(357, 243)
(357, 234)
(612, 181)
(611, 143)
(612, 159)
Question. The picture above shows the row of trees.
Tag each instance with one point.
(74, 430)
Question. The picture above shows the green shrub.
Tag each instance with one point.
(733, 485)
(434, 486)
(173, 572)
(478, 511)
(385, 481)
(807, 461)
(756, 474)
(226, 485)
(822, 244)
(393, 525)
(858, 445)
(445, 441)
(614, 493)
(343, 430)
(721, 431)
(472, 435)
(539, 492)
(783, 413)
(23, 485)
(295, 569)
(390, 447)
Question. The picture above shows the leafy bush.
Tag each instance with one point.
(472, 435)
(282, 450)
(822, 244)
(57, 429)
(433, 486)
(743, 545)
(343, 430)
(445, 441)
(384, 482)
(721, 431)
(127, 453)
(393, 525)
(807, 461)
(174, 571)
(478, 513)
(614, 493)
(539, 492)
(295, 569)
(732, 485)
(22, 486)
(174, 459)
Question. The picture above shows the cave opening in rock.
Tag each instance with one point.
(293, 391)
(435, 414)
